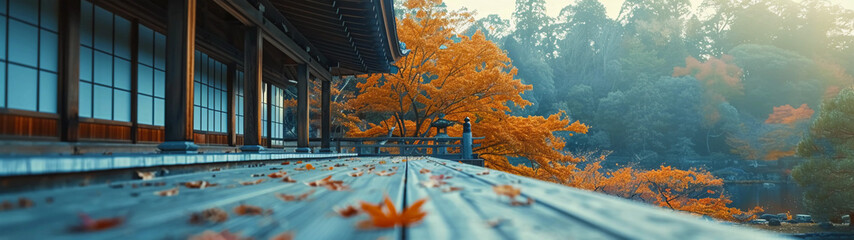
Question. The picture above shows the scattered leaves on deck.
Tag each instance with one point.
(424, 170)
(199, 184)
(87, 224)
(448, 189)
(244, 209)
(251, 182)
(290, 198)
(485, 172)
(145, 175)
(212, 215)
(286, 163)
(390, 217)
(356, 174)
(211, 235)
(25, 203)
(511, 193)
(168, 192)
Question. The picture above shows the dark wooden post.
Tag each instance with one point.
(252, 52)
(302, 108)
(325, 116)
(269, 116)
(231, 95)
(69, 69)
(134, 81)
(180, 53)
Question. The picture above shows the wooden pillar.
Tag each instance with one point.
(231, 108)
(302, 108)
(180, 53)
(252, 52)
(134, 81)
(69, 69)
(269, 116)
(325, 116)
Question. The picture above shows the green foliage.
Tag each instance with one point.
(826, 175)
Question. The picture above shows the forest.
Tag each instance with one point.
(668, 90)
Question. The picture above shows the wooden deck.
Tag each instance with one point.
(475, 212)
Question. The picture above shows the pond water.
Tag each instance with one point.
(773, 197)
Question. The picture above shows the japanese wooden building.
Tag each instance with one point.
(180, 75)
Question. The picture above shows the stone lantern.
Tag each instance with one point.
(441, 126)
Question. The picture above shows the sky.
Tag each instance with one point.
(504, 8)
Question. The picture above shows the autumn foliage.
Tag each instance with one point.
(787, 114)
(695, 191)
(459, 76)
(721, 78)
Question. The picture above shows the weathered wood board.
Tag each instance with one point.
(472, 212)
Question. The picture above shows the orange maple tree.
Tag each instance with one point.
(787, 114)
(459, 76)
(695, 191)
(721, 78)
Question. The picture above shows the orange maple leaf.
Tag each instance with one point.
(277, 174)
(506, 190)
(87, 224)
(251, 182)
(309, 166)
(390, 217)
(347, 212)
(244, 209)
(199, 184)
(213, 215)
(289, 198)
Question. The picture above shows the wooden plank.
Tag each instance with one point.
(617, 217)
(148, 215)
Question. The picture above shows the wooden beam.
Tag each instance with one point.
(302, 108)
(231, 111)
(180, 54)
(325, 116)
(252, 83)
(248, 15)
(69, 70)
(269, 116)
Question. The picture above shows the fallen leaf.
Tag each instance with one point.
(211, 235)
(6, 205)
(330, 168)
(356, 174)
(25, 203)
(167, 193)
(288, 179)
(451, 189)
(340, 165)
(440, 177)
(299, 162)
(215, 169)
(485, 172)
(495, 222)
(506, 190)
(251, 182)
(289, 198)
(385, 174)
(347, 212)
(87, 224)
(390, 217)
(286, 163)
(528, 202)
(334, 185)
(289, 235)
(432, 183)
(199, 184)
(244, 209)
(309, 166)
(212, 215)
(277, 174)
(145, 175)
(382, 161)
(424, 170)
(257, 175)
